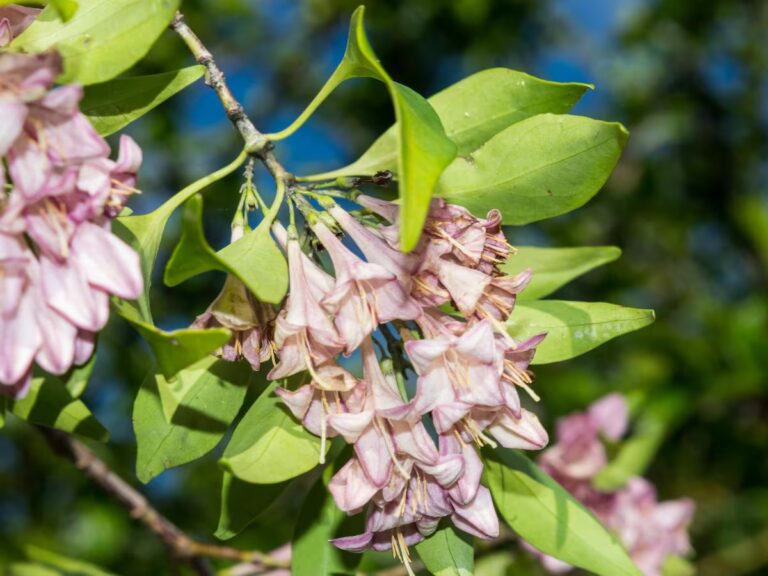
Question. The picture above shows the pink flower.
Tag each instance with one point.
(364, 295)
(249, 320)
(305, 334)
(649, 530)
(14, 20)
(60, 263)
(375, 249)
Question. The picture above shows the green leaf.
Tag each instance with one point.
(636, 453)
(540, 511)
(555, 267)
(538, 168)
(319, 521)
(111, 106)
(573, 328)
(243, 502)
(78, 377)
(247, 258)
(179, 348)
(65, 8)
(64, 564)
(447, 553)
(103, 38)
(201, 418)
(473, 110)
(49, 403)
(423, 149)
(269, 445)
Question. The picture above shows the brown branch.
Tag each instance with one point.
(181, 546)
(256, 143)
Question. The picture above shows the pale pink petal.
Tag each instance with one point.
(108, 262)
(611, 415)
(371, 450)
(478, 517)
(13, 115)
(20, 339)
(350, 425)
(447, 471)
(412, 439)
(129, 157)
(465, 285)
(84, 346)
(297, 400)
(350, 487)
(359, 543)
(524, 433)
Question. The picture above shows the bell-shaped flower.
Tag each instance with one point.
(456, 373)
(248, 319)
(378, 432)
(305, 335)
(364, 295)
(579, 453)
(375, 249)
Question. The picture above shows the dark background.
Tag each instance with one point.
(688, 204)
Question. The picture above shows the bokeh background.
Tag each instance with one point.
(688, 204)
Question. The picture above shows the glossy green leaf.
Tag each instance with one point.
(635, 454)
(555, 267)
(573, 328)
(49, 403)
(540, 511)
(179, 348)
(269, 445)
(201, 418)
(537, 168)
(319, 521)
(243, 502)
(2, 411)
(475, 109)
(423, 149)
(248, 258)
(447, 553)
(65, 8)
(103, 38)
(111, 106)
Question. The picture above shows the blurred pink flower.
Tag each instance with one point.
(650, 530)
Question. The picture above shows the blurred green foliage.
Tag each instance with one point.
(688, 205)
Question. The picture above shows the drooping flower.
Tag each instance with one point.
(249, 320)
(648, 529)
(305, 335)
(364, 295)
(59, 262)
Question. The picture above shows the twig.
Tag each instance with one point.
(256, 143)
(181, 546)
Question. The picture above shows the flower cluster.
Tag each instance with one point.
(468, 368)
(650, 530)
(59, 262)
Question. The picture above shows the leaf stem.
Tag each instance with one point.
(190, 190)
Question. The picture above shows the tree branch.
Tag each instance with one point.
(181, 546)
(256, 143)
